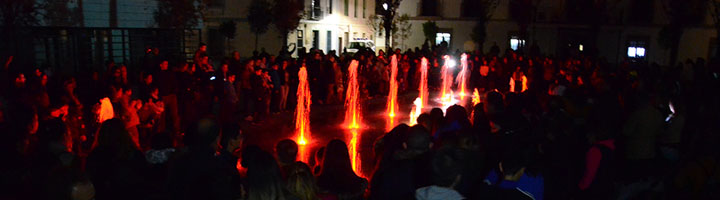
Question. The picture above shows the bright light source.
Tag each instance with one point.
(580, 47)
(640, 52)
(632, 52)
(451, 63)
(385, 6)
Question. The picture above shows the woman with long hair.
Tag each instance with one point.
(301, 182)
(264, 181)
(337, 176)
(116, 167)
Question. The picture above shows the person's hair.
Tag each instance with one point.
(337, 175)
(418, 138)
(301, 182)
(436, 113)
(286, 151)
(114, 137)
(447, 166)
(264, 180)
(514, 160)
(424, 118)
(230, 132)
(456, 113)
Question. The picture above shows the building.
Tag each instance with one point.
(82, 35)
(326, 25)
(331, 24)
(630, 28)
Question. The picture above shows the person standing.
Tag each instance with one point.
(167, 86)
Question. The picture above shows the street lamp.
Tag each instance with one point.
(385, 6)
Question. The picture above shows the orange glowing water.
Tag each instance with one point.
(422, 98)
(302, 113)
(462, 77)
(447, 81)
(392, 92)
(352, 114)
(475, 97)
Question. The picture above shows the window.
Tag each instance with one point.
(347, 7)
(429, 8)
(355, 8)
(442, 37)
(581, 47)
(516, 43)
(364, 8)
(636, 49)
(330, 7)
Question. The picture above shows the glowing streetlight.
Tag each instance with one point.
(385, 6)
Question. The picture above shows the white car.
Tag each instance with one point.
(360, 43)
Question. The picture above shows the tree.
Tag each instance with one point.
(682, 14)
(430, 29)
(259, 18)
(402, 27)
(59, 13)
(228, 29)
(715, 14)
(178, 13)
(287, 15)
(483, 11)
(387, 9)
(18, 13)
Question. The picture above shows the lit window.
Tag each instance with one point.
(516, 42)
(636, 49)
(580, 47)
(440, 37)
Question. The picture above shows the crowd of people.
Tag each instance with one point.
(575, 127)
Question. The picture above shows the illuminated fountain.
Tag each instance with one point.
(422, 98)
(302, 114)
(352, 115)
(462, 78)
(475, 98)
(447, 96)
(392, 93)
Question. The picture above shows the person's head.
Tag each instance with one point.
(512, 165)
(286, 151)
(447, 167)
(231, 137)
(82, 188)
(231, 78)
(148, 79)
(425, 120)
(258, 71)
(236, 55)
(301, 182)
(164, 65)
(114, 137)
(20, 80)
(224, 67)
(156, 51)
(456, 113)
(436, 113)
(337, 174)
(202, 47)
(494, 103)
(264, 180)
(418, 139)
(203, 135)
(275, 66)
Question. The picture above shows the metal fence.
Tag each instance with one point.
(73, 49)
